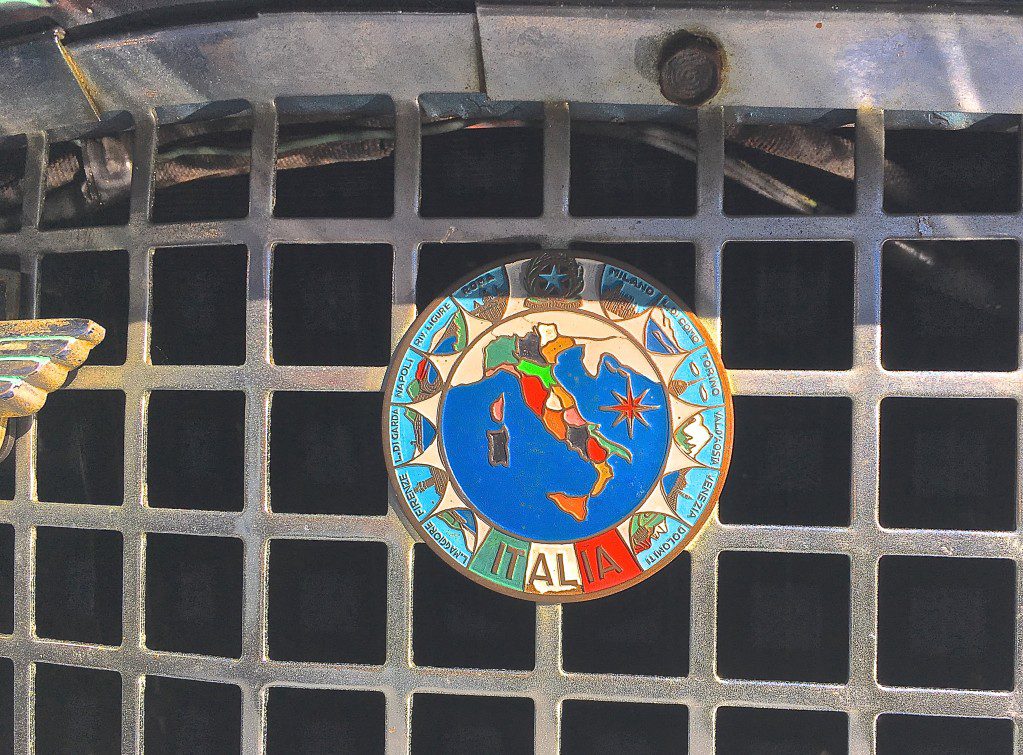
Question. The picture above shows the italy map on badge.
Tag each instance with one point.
(557, 427)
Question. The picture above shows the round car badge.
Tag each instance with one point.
(557, 427)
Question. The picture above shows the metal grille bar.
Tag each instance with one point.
(867, 383)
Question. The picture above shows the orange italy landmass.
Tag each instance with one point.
(558, 411)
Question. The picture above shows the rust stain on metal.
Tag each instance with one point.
(76, 71)
(692, 69)
(117, 44)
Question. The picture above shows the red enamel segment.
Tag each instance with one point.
(605, 561)
(595, 451)
(533, 392)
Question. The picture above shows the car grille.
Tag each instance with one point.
(848, 568)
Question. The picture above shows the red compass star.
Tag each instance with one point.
(629, 407)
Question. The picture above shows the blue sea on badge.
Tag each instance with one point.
(515, 497)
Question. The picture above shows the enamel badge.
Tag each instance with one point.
(557, 427)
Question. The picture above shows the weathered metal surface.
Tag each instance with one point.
(72, 13)
(690, 70)
(284, 55)
(280, 54)
(865, 541)
(784, 58)
(39, 89)
(798, 59)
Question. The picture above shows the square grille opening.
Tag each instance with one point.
(77, 709)
(950, 305)
(934, 478)
(946, 622)
(640, 163)
(320, 459)
(442, 265)
(798, 164)
(787, 305)
(6, 579)
(7, 471)
(324, 720)
(88, 176)
(477, 628)
(673, 264)
(783, 616)
(92, 285)
(327, 601)
(15, 296)
(195, 450)
(203, 159)
(330, 304)
(758, 731)
(194, 594)
(465, 725)
(481, 158)
(349, 172)
(13, 154)
(791, 462)
(6, 705)
(661, 649)
(600, 728)
(956, 162)
(81, 448)
(936, 735)
(78, 585)
(199, 302)
(182, 715)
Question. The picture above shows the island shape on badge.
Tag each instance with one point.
(557, 427)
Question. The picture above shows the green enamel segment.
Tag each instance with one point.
(57, 338)
(14, 358)
(461, 331)
(683, 441)
(499, 351)
(501, 559)
(647, 519)
(542, 371)
(642, 525)
(609, 445)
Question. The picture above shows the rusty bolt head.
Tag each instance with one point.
(691, 70)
